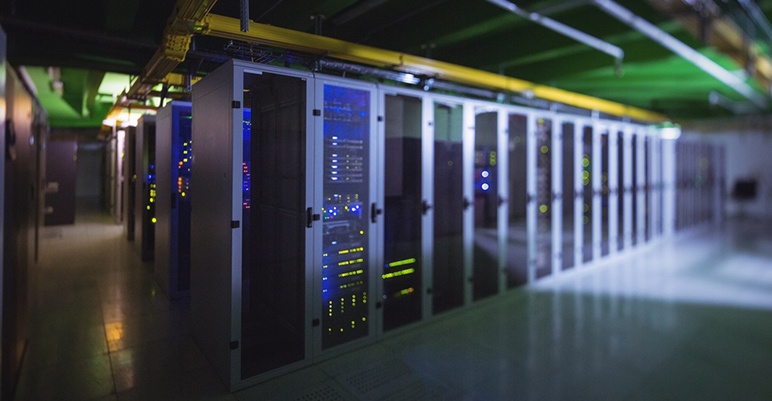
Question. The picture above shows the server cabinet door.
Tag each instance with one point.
(486, 254)
(567, 189)
(620, 188)
(640, 176)
(605, 192)
(129, 183)
(646, 188)
(517, 244)
(587, 193)
(578, 200)
(448, 255)
(656, 195)
(635, 204)
(183, 150)
(628, 186)
(544, 195)
(146, 188)
(276, 221)
(346, 274)
(404, 209)
(613, 190)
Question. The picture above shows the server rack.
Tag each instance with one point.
(640, 184)
(517, 266)
(129, 182)
(145, 188)
(301, 249)
(293, 156)
(449, 204)
(174, 157)
(566, 205)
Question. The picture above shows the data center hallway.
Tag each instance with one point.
(685, 320)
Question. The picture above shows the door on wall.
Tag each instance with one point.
(61, 159)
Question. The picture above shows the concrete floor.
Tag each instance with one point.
(689, 319)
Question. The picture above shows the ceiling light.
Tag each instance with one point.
(669, 130)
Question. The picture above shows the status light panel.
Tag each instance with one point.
(151, 184)
(246, 165)
(185, 156)
(345, 215)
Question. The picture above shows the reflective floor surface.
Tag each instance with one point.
(689, 319)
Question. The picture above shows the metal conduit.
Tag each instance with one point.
(676, 46)
(563, 29)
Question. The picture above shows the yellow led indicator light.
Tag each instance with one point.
(153, 220)
(398, 273)
(586, 161)
(544, 149)
(492, 159)
(402, 262)
(406, 291)
(350, 273)
(543, 208)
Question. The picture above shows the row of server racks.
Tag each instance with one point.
(155, 195)
(330, 212)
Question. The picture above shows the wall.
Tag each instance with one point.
(21, 200)
(91, 167)
(748, 157)
(747, 142)
(2, 197)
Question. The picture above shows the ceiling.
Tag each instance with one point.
(97, 47)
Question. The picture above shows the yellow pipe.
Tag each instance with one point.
(229, 28)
